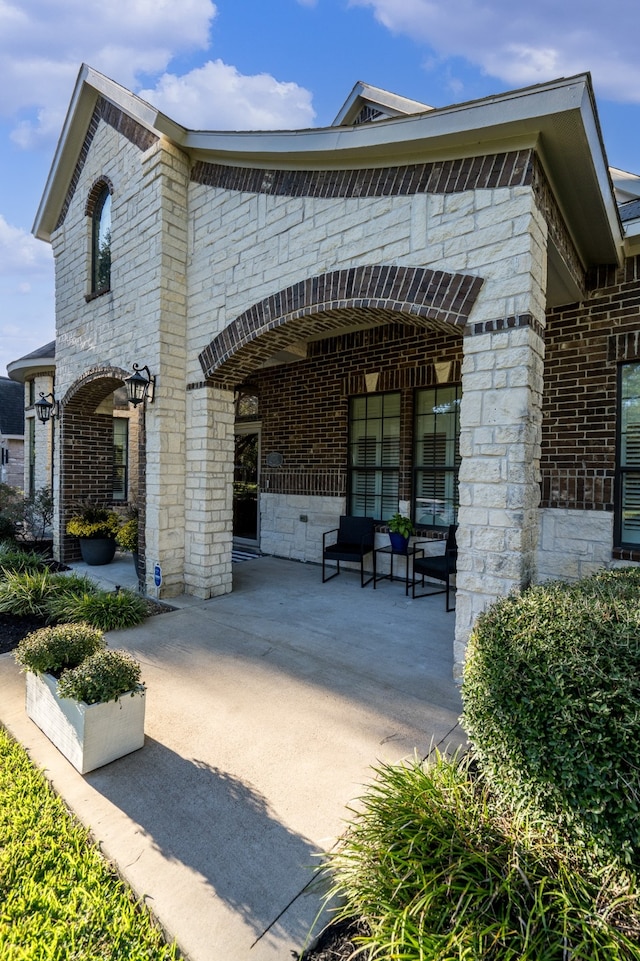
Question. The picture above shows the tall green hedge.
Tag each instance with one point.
(551, 696)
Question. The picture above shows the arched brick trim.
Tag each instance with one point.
(86, 445)
(356, 297)
(95, 192)
(513, 169)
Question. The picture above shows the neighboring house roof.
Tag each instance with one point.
(11, 408)
(559, 119)
(42, 359)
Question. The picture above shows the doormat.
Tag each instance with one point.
(238, 556)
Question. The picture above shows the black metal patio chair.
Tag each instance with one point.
(439, 567)
(355, 539)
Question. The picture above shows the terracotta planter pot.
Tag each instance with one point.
(88, 735)
(97, 550)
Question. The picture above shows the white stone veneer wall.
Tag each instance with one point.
(574, 544)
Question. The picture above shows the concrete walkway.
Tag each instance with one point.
(267, 710)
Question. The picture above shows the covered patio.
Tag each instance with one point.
(267, 711)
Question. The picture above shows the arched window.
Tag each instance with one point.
(101, 243)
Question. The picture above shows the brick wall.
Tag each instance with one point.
(584, 344)
(304, 406)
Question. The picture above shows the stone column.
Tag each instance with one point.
(500, 424)
(209, 491)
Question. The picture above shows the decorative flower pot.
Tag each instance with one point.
(97, 550)
(398, 542)
(88, 735)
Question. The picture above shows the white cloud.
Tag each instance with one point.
(43, 43)
(522, 43)
(217, 97)
(21, 253)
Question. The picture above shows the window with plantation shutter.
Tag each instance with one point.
(436, 456)
(628, 474)
(374, 455)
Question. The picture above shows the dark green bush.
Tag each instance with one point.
(551, 696)
(52, 649)
(104, 609)
(104, 676)
(438, 871)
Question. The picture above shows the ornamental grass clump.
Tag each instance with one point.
(438, 870)
(51, 650)
(107, 610)
(15, 560)
(34, 592)
(104, 676)
(551, 704)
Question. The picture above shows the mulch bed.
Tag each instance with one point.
(336, 943)
(13, 628)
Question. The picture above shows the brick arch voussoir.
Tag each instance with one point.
(92, 388)
(444, 298)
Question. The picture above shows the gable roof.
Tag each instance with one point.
(11, 408)
(557, 119)
(366, 104)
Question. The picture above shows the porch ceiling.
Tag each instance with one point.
(288, 342)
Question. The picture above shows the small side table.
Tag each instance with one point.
(407, 555)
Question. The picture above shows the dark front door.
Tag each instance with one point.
(246, 486)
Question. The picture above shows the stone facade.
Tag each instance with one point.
(313, 279)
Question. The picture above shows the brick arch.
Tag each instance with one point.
(86, 446)
(353, 297)
(96, 189)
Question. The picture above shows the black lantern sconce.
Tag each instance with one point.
(44, 408)
(139, 387)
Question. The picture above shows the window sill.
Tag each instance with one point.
(95, 294)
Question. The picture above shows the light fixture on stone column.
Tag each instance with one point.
(139, 387)
(45, 408)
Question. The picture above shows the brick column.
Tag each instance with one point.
(500, 424)
(209, 491)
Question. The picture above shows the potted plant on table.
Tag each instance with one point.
(400, 530)
(96, 527)
(86, 698)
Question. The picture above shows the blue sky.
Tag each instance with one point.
(260, 64)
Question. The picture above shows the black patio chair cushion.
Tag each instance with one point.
(354, 541)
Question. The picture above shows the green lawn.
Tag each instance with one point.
(59, 898)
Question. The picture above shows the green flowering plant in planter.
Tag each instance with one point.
(51, 650)
(127, 536)
(94, 521)
(101, 677)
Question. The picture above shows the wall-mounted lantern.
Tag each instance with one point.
(139, 387)
(44, 408)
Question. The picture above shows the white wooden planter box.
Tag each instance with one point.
(89, 735)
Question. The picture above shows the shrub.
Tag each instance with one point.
(34, 592)
(26, 592)
(52, 649)
(103, 609)
(13, 558)
(37, 515)
(551, 697)
(10, 510)
(104, 676)
(437, 871)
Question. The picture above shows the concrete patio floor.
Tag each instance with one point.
(267, 710)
